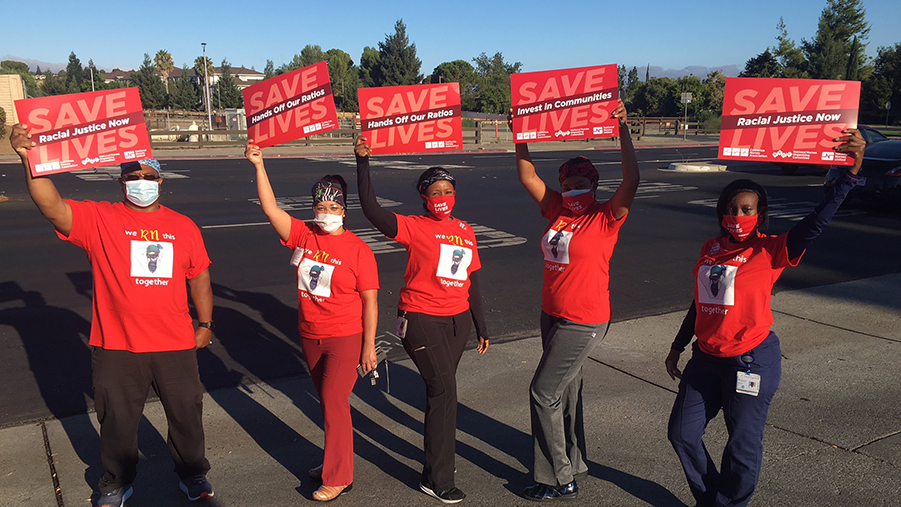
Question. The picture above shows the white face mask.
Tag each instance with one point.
(142, 193)
(328, 223)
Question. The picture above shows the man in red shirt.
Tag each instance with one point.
(142, 335)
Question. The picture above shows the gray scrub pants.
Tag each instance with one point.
(556, 398)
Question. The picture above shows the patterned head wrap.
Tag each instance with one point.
(432, 175)
(329, 189)
(579, 166)
(136, 166)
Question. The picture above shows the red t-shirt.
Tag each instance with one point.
(733, 285)
(440, 256)
(140, 261)
(577, 251)
(331, 273)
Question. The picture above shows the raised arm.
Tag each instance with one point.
(279, 218)
(525, 169)
(382, 219)
(43, 192)
(804, 232)
(625, 194)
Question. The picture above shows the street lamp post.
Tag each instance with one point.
(206, 85)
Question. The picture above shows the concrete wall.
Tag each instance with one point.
(11, 89)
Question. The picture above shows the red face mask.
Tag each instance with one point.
(578, 201)
(740, 227)
(440, 206)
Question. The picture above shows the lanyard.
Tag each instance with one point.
(748, 358)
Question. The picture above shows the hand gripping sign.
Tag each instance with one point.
(412, 119)
(83, 130)
(555, 105)
(787, 120)
(290, 106)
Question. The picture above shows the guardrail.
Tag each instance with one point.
(232, 138)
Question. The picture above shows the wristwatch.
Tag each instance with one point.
(209, 325)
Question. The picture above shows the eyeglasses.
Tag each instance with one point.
(136, 177)
(331, 208)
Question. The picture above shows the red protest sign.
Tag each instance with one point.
(290, 106)
(83, 130)
(410, 119)
(555, 105)
(787, 120)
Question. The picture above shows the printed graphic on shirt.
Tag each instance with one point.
(717, 284)
(315, 277)
(152, 259)
(453, 261)
(555, 243)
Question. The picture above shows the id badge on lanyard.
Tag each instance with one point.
(401, 325)
(747, 382)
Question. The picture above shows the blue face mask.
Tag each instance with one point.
(142, 193)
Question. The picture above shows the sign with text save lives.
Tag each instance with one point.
(787, 120)
(83, 130)
(411, 119)
(290, 106)
(555, 105)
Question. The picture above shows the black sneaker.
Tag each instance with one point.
(116, 497)
(197, 488)
(452, 495)
(543, 492)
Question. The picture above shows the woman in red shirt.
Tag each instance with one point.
(337, 288)
(736, 362)
(438, 303)
(575, 306)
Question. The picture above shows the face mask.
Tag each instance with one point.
(578, 201)
(328, 223)
(440, 206)
(142, 193)
(740, 227)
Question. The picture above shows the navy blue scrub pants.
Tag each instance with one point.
(708, 385)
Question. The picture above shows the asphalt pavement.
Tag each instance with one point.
(833, 438)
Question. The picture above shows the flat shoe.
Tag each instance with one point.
(316, 473)
(329, 493)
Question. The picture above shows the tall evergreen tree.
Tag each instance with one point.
(37, 71)
(183, 92)
(344, 77)
(789, 57)
(397, 58)
(459, 71)
(762, 65)
(370, 70)
(52, 84)
(227, 93)
(269, 71)
(494, 82)
(829, 51)
(153, 93)
(74, 73)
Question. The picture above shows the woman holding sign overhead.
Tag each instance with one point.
(736, 362)
(575, 306)
(337, 289)
(438, 303)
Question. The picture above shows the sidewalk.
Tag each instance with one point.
(834, 434)
(297, 151)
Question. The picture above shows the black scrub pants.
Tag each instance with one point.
(435, 344)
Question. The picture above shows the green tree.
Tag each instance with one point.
(14, 66)
(398, 63)
(632, 84)
(459, 71)
(164, 65)
(183, 93)
(344, 78)
(74, 73)
(370, 70)
(762, 65)
(310, 55)
(52, 84)
(204, 68)
(621, 77)
(269, 70)
(657, 97)
(227, 93)
(153, 93)
(828, 53)
(493, 92)
(885, 82)
(789, 57)
(2, 122)
(715, 91)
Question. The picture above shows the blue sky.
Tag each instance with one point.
(674, 38)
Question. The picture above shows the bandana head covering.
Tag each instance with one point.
(579, 166)
(330, 188)
(433, 175)
(135, 166)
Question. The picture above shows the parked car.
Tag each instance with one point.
(880, 174)
(870, 135)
